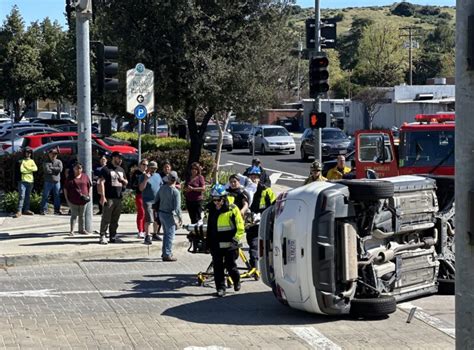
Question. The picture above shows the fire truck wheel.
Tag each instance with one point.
(366, 190)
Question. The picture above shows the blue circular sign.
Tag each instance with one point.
(140, 67)
(140, 112)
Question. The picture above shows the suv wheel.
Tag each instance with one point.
(366, 190)
(373, 307)
(304, 156)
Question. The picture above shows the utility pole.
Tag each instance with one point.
(410, 36)
(464, 177)
(317, 101)
(84, 144)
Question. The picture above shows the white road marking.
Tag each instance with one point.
(226, 164)
(274, 177)
(314, 338)
(52, 293)
(212, 347)
(285, 178)
(272, 170)
(435, 322)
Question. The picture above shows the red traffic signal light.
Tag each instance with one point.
(317, 120)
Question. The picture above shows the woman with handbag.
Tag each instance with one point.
(76, 191)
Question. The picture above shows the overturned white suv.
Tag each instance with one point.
(359, 246)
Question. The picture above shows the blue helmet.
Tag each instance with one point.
(255, 170)
(218, 190)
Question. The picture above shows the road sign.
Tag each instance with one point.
(140, 88)
(140, 112)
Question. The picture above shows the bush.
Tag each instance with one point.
(445, 15)
(429, 11)
(152, 142)
(9, 202)
(404, 9)
(128, 203)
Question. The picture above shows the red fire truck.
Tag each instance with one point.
(425, 147)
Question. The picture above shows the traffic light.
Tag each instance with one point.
(318, 75)
(317, 120)
(107, 70)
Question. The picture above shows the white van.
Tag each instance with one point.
(359, 246)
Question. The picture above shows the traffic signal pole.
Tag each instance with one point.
(84, 144)
(317, 100)
(464, 177)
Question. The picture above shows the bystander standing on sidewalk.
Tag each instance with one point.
(76, 191)
(95, 178)
(194, 188)
(169, 200)
(150, 183)
(135, 183)
(166, 168)
(52, 169)
(27, 167)
(112, 182)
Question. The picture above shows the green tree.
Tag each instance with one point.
(208, 57)
(348, 44)
(382, 60)
(21, 77)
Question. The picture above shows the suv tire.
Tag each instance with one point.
(373, 307)
(304, 156)
(363, 190)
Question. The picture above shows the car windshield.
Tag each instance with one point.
(427, 148)
(333, 135)
(270, 132)
(241, 127)
(211, 127)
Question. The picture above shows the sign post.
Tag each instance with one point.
(140, 97)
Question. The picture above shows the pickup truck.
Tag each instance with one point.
(359, 246)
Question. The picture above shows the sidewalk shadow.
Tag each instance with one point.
(161, 286)
(246, 309)
(9, 236)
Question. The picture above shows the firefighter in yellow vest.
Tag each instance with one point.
(225, 229)
(339, 170)
(315, 174)
(262, 199)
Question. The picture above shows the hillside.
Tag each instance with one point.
(377, 13)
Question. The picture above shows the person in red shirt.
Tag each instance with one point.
(194, 188)
(77, 193)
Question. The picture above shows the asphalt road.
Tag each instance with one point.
(144, 303)
(286, 169)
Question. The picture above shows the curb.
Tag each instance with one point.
(118, 250)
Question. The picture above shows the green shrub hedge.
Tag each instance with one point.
(9, 202)
(152, 143)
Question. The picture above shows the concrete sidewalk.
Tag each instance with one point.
(40, 239)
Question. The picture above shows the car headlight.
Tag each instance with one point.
(324, 145)
(207, 138)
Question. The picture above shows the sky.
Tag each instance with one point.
(33, 10)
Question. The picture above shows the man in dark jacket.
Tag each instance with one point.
(52, 169)
(264, 178)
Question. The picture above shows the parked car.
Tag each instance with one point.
(17, 135)
(271, 138)
(70, 148)
(7, 126)
(240, 134)
(55, 122)
(211, 135)
(359, 246)
(35, 141)
(53, 115)
(73, 127)
(333, 143)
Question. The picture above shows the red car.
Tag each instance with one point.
(35, 141)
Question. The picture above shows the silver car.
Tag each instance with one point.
(211, 136)
(271, 138)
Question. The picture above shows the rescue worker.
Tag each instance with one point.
(315, 174)
(225, 228)
(262, 199)
(339, 170)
